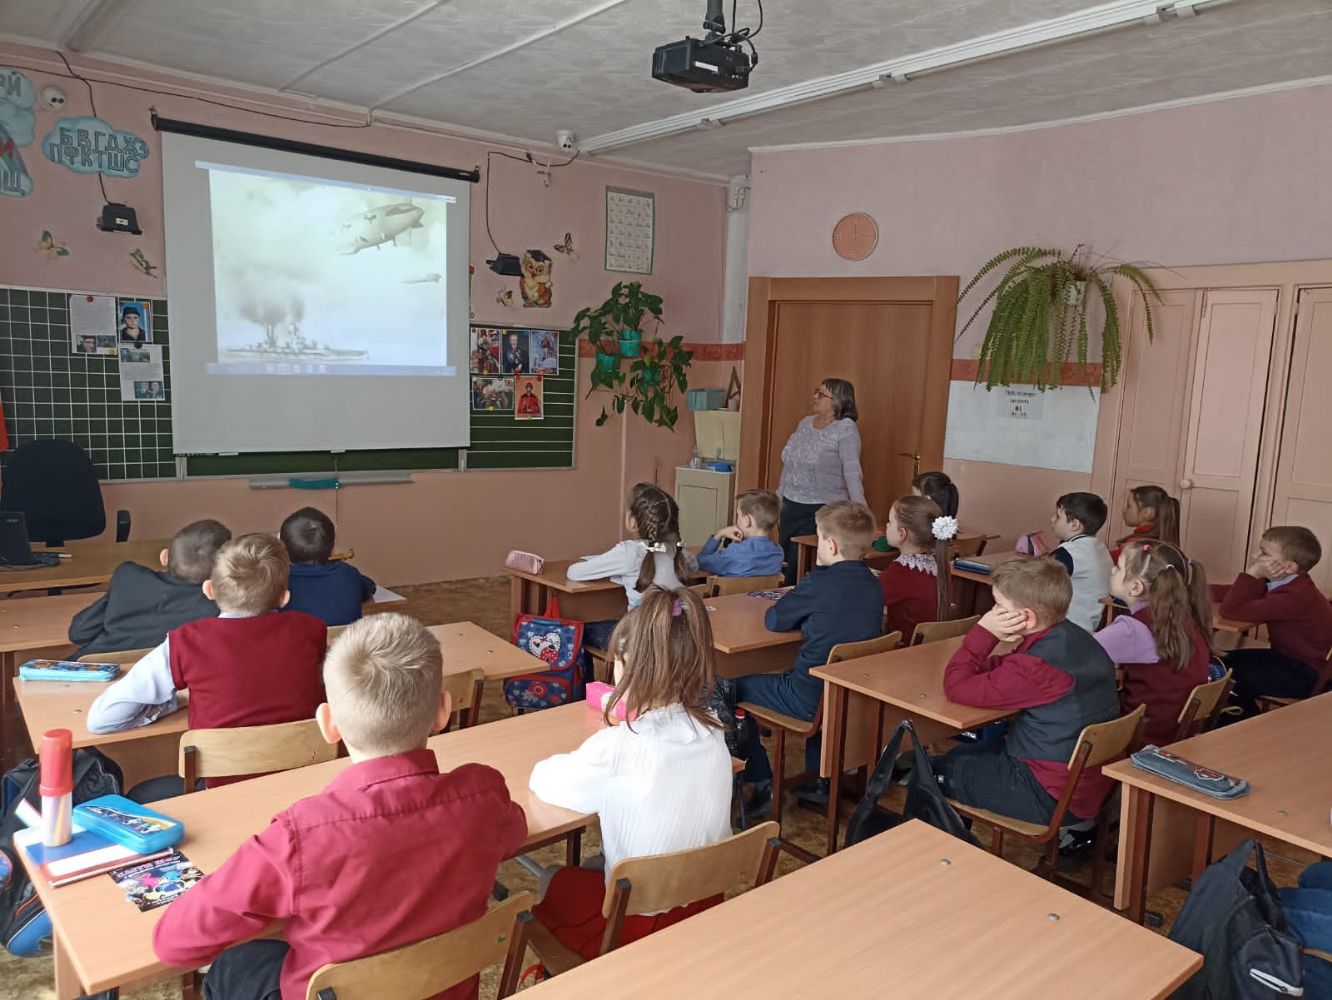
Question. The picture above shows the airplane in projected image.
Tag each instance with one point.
(378, 226)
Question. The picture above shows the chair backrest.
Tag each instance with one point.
(121, 656)
(664, 881)
(420, 970)
(1108, 740)
(465, 689)
(55, 484)
(724, 585)
(224, 753)
(866, 647)
(934, 631)
(966, 548)
(1202, 707)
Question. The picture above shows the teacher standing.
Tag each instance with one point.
(820, 464)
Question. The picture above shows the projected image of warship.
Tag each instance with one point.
(284, 342)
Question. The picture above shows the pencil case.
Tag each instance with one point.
(1187, 773)
(524, 562)
(598, 695)
(67, 670)
(126, 822)
(972, 566)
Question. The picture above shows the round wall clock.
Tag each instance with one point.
(855, 236)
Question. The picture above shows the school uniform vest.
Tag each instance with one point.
(1091, 579)
(1050, 732)
(250, 671)
(1161, 688)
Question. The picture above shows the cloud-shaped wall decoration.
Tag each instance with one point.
(17, 98)
(90, 146)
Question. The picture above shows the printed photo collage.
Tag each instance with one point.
(508, 368)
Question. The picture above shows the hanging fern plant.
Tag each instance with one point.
(1040, 317)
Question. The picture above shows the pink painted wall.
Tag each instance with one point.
(445, 525)
(1240, 180)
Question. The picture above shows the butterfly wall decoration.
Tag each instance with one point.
(52, 247)
(567, 247)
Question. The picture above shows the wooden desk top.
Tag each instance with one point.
(64, 705)
(110, 943)
(554, 575)
(910, 678)
(1219, 622)
(991, 560)
(90, 563)
(1281, 754)
(737, 624)
(39, 622)
(885, 918)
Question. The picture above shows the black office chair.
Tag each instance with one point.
(55, 484)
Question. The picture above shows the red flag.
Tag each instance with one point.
(4, 431)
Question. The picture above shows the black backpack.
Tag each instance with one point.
(22, 916)
(925, 800)
(1233, 918)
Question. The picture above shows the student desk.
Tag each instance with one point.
(1166, 830)
(741, 641)
(152, 750)
(103, 942)
(912, 912)
(865, 699)
(588, 601)
(807, 548)
(1219, 622)
(89, 563)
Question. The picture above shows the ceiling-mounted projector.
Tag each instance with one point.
(717, 62)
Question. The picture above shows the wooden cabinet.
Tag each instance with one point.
(706, 499)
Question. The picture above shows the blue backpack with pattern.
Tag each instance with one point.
(558, 643)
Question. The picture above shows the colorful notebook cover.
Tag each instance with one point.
(156, 883)
(84, 856)
(67, 670)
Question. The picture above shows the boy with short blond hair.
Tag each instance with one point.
(751, 551)
(249, 666)
(1058, 680)
(839, 601)
(389, 853)
(1277, 591)
(141, 604)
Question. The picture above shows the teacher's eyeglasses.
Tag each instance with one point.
(821, 393)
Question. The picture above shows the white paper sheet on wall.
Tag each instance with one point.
(1018, 425)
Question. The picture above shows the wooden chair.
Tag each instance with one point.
(432, 966)
(123, 656)
(1097, 745)
(966, 548)
(781, 725)
(465, 689)
(225, 753)
(1203, 708)
(1322, 683)
(725, 585)
(665, 881)
(934, 631)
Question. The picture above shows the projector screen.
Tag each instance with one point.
(315, 304)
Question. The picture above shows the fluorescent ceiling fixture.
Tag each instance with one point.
(1104, 17)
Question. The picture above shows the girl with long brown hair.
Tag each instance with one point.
(654, 556)
(1163, 645)
(1152, 513)
(916, 584)
(660, 782)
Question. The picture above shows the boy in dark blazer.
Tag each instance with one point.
(840, 601)
(141, 605)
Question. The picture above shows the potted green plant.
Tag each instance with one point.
(1040, 319)
(656, 368)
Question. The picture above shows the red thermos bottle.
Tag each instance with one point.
(57, 786)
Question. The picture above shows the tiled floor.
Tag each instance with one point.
(486, 603)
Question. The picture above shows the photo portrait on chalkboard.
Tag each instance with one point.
(136, 323)
(530, 403)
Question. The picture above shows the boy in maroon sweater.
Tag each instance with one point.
(1277, 592)
(1058, 679)
(389, 853)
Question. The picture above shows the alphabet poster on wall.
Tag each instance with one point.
(90, 146)
(630, 225)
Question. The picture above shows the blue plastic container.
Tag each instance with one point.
(124, 821)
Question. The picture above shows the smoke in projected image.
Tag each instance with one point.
(317, 278)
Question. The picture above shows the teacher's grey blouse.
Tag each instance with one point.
(821, 466)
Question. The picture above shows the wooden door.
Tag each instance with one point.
(1303, 493)
(881, 348)
(1155, 405)
(1229, 390)
(890, 337)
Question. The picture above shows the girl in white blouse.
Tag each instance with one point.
(658, 783)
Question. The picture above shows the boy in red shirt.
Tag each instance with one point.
(1276, 591)
(1057, 680)
(390, 853)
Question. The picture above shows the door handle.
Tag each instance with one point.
(1186, 484)
(915, 461)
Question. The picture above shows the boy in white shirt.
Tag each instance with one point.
(1077, 519)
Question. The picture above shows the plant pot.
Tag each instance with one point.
(607, 362)
(631, 343)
